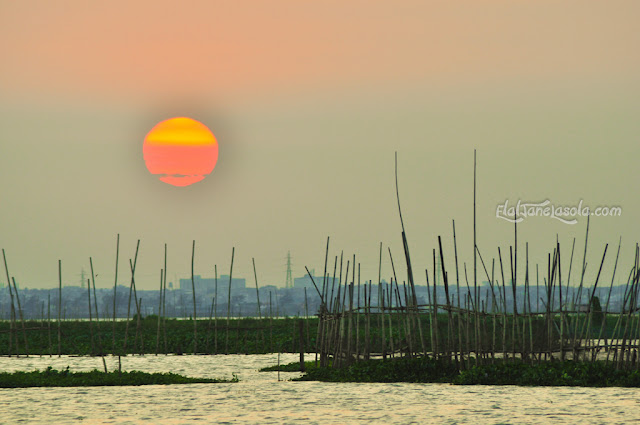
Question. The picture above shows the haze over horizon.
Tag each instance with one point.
(309, 103)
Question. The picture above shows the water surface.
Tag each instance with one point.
(261, 398)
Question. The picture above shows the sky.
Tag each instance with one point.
(309, 102)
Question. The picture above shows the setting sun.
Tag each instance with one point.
(181, 151)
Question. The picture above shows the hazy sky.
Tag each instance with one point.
(309, 102)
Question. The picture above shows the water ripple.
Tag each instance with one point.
(261, 398)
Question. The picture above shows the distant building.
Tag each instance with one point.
(305, 282)
(208, 285)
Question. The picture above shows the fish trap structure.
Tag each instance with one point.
(471, 324)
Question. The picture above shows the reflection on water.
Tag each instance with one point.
(260, 398)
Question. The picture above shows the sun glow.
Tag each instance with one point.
(181, 151)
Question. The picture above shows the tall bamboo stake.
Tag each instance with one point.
(159, 311)
(215, 312)
(475, 244)
(115, 286)
(579, 293)
(12, 316)
(255, 275)
(164, 302)
(90, 315)
(226, 349)
(95, 303)
(24, 332)
(193, 291)
(48, 325)
(306, 315)
(446, 291)
(455, 250)
(270, 325)
(60, 306)
(131, 292)
(606, 307)
(587, 324)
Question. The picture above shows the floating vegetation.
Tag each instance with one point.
(397, 370)
(65, 378)
(567, 373)
(428, 370)
(289, 367)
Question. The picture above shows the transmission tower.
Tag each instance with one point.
(289, 281)
(82, 278)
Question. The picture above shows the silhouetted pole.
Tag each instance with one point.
(193, 290)
(226, 349)
(301, 337)
(59, 305)
(115, 285)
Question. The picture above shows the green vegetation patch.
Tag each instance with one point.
(396, 370)
(427, 370)
(243, 336)
(567, 373)
(289, 367)
(55, 378)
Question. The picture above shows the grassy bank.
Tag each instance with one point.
(423, 370)
(242, 336)
(257, 336)
(55, 378)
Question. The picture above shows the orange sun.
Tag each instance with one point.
(181, 151)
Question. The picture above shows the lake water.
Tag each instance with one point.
(261, 399)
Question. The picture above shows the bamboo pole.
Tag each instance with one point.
(215, 312)
(270, 325)
(255, 275)
(24, 332)
(164, 302)
(514, 322)
(301, 339)
(391, 337)
(614, 335)
(193, 292)
(528, 291)
(579, 293)
(333, 282)
(367, 327)
(306, 315)
(606, 308)
(382, 316)
(90, 315)
(475, 245)
(208, 346)
(632, 303)
(226, 349)
(132, 291)
(319, 346)
(445, 280)
(12, 316)
(60, 306)
(95, 303)
(48, 326)
(159, 311)
(139, 330)
(589, 310)
(504, 314)
(115, 286)
(430, 316)
(459, 314)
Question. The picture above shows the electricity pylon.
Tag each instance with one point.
(289, 281)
